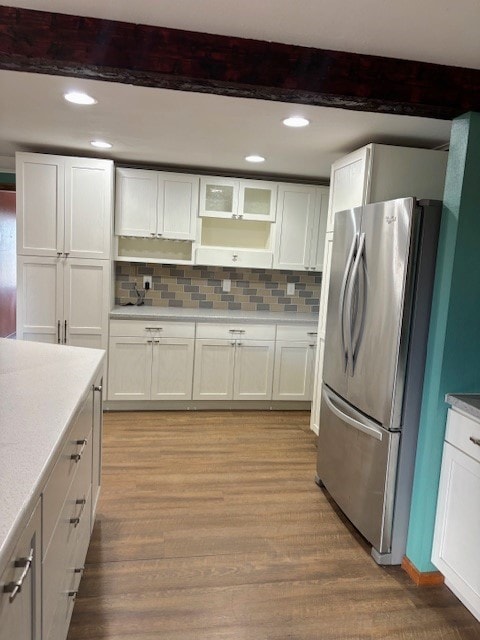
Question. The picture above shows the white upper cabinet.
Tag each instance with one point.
(348, 183)
(238, 199)
(301, 222)
(64, 206)
(156, 204)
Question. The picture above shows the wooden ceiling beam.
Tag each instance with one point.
(59, 44)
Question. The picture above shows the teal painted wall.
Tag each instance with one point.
(7, 178)
(453, 357)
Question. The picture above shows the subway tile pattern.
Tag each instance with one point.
(196, 287)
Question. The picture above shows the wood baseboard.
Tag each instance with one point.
(422, 578)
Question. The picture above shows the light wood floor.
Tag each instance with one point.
(210, 527)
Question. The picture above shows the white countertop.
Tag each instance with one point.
(41, 388)
(210, 315)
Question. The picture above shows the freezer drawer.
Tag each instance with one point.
(357, 464)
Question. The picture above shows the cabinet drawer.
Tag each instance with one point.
(234, 257)
(152, 328)
(57, 568)
(461, 431)
(301, 332)
(65, 468)
(236, 331)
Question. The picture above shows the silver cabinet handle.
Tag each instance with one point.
(236, 330)
(149, 341)
(235, 257)
(152, 233)
(78, 456)
(312, 344)
(59, 253)
(97, 388)
(76, 521)
(15, 587)
(66, 254)
(312, 333)
(65, 335)
(58, 332)
(239, 344)
(475, 441)
(232, 343)
(154, 328)
(159, 235)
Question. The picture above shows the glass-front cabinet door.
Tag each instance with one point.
(257, 200)
(238, 199)
(219, 197)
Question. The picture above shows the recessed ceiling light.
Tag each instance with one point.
(78, 97)
(254, 158)
(296, 121)
(101, 144)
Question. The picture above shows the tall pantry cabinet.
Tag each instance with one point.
(374, 173)
(64, 230)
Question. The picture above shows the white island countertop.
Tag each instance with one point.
(179, 314)
(42, 386)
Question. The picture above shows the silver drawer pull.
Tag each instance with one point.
(76, 521)
(312, 333)
(236, 331)
(475, 441)
(78, 456)
(312, 344)
(79, 570)
(97, 388)
(14, 588)
(72, 594)
(154, 328)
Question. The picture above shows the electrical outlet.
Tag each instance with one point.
(226, 285)
(290, 288)
(147, 282)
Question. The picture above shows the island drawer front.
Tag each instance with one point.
(57, 570)
(152, 329)
(302, 332)
(65, 469)
(464, 433)
(236, 331)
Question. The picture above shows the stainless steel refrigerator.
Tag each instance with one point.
(382, 273)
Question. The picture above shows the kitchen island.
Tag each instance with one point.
(50, 432)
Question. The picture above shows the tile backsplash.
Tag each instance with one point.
(196, 287)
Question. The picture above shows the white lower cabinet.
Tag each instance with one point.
(294, 363)
(21, 604)
(233, 370)
(233, 362)
(48, 560)
(456, 552)
(152, 361)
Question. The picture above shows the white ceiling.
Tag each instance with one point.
(156, 126)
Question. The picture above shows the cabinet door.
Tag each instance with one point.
(136, 203)
(292, 378)
(39, 299)
(177, 206)
(257, 200)
(213, 372)
(253, 370)
(172, 369)
(219, 197)
(20, 611)
(40, 204)
(97, 435)
(129, 369)
(317, 246)
(88, 207)
(349, 183)
(86, 303)
(456, 552)
(322, 319)
(296, 211)
(317, 387)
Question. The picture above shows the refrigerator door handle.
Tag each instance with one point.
(366, 426)
(348, 308)
(341, 306)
